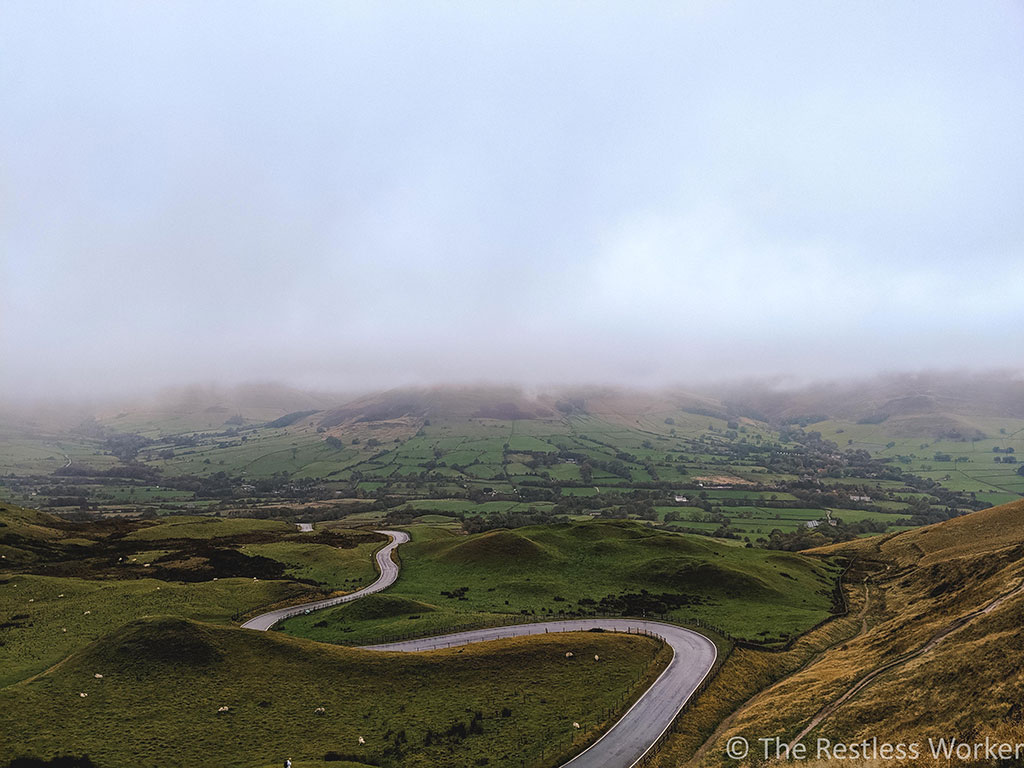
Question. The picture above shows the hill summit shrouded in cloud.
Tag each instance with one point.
(360, 198)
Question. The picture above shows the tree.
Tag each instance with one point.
(334, 442)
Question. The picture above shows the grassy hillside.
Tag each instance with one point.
(164, 680)
(937, 635)
(64, 585)
(615, 567)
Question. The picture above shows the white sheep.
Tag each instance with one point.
(87, 613)
(362, 740)
(596, 657)
(224, 709)
(568, 654)
(576, 726)
(98, 676)
(83, 695)
(319, 711)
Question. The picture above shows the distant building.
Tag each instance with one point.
(812, 523)
(860, 498)
(680, 499)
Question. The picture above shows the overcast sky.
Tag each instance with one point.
(357, 194)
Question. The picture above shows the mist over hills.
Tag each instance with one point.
(937, 404)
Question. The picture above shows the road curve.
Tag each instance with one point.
(633, 735)
(388, 574)
(626, 742)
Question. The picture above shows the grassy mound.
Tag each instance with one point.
(494, 546)
(685, 573)
(381, 606)
(158, 642)
(286, 697)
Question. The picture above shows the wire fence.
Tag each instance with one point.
(512, 619)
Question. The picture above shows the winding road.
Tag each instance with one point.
(624, 744)
(388, 574)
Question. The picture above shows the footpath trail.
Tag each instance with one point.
(954, 626)
(634, 734)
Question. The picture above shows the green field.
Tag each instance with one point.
(38, 610)
(164, 681)
(545, 571)
(119, 576)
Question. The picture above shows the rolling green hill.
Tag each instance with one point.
(615, 567)
(66, 584)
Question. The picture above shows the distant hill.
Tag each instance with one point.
(512, 403)
(935, 405)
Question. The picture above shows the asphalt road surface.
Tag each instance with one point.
(388, 573)
(626, 742)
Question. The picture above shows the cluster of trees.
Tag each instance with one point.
(805, 538)
(532, 516)
(641, 603)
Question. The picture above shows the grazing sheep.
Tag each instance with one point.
(223, 709)
(576, 726)
(568, 654)
(98, 676)
(63, 629)
(596, 657)
(83, 695)
(362, 740)
(319, 711)
(87, 613)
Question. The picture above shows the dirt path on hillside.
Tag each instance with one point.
(949, 629)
